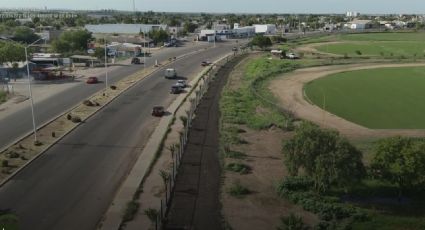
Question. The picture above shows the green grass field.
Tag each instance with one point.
(387, 98)
(406, 45)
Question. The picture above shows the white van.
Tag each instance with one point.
(170, 73)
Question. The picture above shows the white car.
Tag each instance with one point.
(181, 83)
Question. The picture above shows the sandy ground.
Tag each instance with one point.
(262, 208)
(289, 90)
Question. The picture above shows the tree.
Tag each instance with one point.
(261, 41)
(71, 41)
(325, 156)
(99, 52)
(11, 52)
(24, 34)
(190, 27)
(158, 36)
(400, 161)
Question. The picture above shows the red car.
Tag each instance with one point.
(92, 80)
(158, 111)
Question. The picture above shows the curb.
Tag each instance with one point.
(112, 218)
(28, 134)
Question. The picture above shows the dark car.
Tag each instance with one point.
(135, 60)
(175, 89)
(158, 111)
(205, 63)
(234, 49)
(92, 80)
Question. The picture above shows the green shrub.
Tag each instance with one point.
(237, 190)
(234, 154)
(292, 222)
(5, 163)
(238, 167)
(130, 211)
(152, 214)
(297, 190)
(76, 119)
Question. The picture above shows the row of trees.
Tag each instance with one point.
(330, 160)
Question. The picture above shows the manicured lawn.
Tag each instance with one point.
(387, 98)
(383, 37)
(395, 49)
(378, 44)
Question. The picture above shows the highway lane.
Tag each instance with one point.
(20, 122)
(73, 183)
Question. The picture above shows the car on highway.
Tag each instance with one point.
(170, 73)
(235, 49)
(175, 89)
(181, 83)
(206, 63)
(92, 80)
(136, 60)
(158, 111)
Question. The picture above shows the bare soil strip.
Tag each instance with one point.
(289, 90)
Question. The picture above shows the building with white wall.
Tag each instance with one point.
(124, 28)
(359, 24)
(266, 29)
(352, 14)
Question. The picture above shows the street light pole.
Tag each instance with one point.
(144, 49)
(106, 66)
(30, 90)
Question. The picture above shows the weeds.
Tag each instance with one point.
(237, 190)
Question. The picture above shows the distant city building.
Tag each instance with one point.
(352, 14)
(266, 29)
(244, 32)
(124, 28)
(359, 24)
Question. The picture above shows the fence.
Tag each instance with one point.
(177, 156)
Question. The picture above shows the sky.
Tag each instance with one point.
(231, 6)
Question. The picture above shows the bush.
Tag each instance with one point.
(130, 211)
(297, 190)
(238, 167)
(5, 163)
(38, 143)
(292, 222)
(76, 119)
(234, 154)
(88, 103)
(69, 116)
(237, 190)
(13, 155)
(152, 214)
(358, 52)
(183, 119)
(113, 87)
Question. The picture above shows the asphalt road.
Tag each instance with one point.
(20, 123)
(72, 184)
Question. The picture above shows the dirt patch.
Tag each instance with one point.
(289, 90)
(263, 208)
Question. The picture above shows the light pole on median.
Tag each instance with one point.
(30, 89)
(106, 66)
